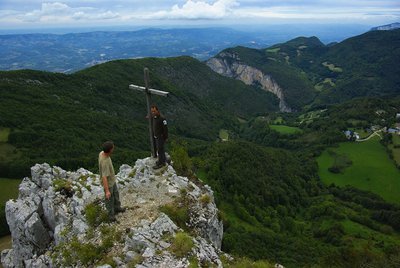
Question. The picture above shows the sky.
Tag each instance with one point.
(80, 13)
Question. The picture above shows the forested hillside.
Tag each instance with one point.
(312, 74)
(63, 119)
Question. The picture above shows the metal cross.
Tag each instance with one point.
(149, 92)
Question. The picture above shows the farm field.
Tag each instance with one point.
(395, 148)
(286, 129)
(371, 169)
(8, 189)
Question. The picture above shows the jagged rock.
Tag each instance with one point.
(26, 188)
(40, 262)
(206, 253)
(38, 171)
(48, 214)
(228, 64)
(36, 233)
(79, 226)
(7, 258)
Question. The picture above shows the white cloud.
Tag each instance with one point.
(103, 12)
(60, 12)
(194, 10)
(301, 12)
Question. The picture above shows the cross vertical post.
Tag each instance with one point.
(149, 91)
(148, 99)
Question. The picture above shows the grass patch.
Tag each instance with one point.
(340, 163)
(241, 120)
(95, 214)
(366, 236)
(201, 175)
(273, 50)
(310, 116)
(396, 140)
(75, 252)
(8, 189)
(4, 133)
(224, 135)
(178, 210)
(182, 244)
(286, 129)
(8, 152)
(395, 148)
(324, 84)
(279, 120)
(372, 169)
(332, 67)
(205, 199)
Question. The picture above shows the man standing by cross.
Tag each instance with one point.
(150, 116)
(160, 135)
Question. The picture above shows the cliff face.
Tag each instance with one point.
(229, 65)
(58, 221)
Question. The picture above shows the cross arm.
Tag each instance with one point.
(151, 90)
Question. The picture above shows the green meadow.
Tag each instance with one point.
(223, 135)
(332, 67)
(8, 189)
(371, 169)
(285, 129)
(273, 50)
(395, 147)
(4, 132)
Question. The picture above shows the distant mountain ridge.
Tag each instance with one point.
(387, 27)
(311, 73)
(67, 53)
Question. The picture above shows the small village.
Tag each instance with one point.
(374, 130)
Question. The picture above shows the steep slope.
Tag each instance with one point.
(275, 207)
(255, 67)
(365, 65)
(308, 72)
(59, 220)
(62, 119)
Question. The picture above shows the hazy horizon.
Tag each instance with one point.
(18, 15)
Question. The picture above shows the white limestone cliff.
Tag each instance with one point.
(229, 65)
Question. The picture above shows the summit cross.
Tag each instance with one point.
(149, 92)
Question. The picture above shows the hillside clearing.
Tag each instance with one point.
(286, 129)
(371, 169)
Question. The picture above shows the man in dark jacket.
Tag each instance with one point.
(160, 129)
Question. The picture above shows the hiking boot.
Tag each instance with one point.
(120, 210)
(113, 220)
(158, 166)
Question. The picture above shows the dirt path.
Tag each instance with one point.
(142, 203)
(372, 135)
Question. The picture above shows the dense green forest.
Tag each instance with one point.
(274, 207)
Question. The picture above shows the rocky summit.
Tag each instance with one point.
(59, 220)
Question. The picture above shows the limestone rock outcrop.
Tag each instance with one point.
(229, 64)
(50, 221)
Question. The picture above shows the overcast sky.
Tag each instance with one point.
(73, 13)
